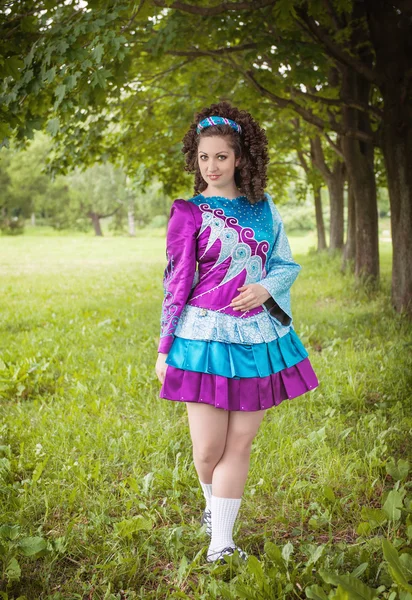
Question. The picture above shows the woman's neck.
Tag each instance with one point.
(229, 192)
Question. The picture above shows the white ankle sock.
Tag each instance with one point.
(224, 513)
(207, 491)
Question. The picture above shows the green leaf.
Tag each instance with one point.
(53, 126)
(399, 471)
(49, 75)
(318, 436)
(329, 493)
(128, 527)
(62, 46)
(70, 82)
(392, 505)
(316, 554)
(255, 568)
(32, 545)
(316, 592)
(374, 516)
(274, 553)
(357, 572)
(99, 77)
(13, 570)
(9, 532)
(355, 589)
(5, 451)
(363, 528)
(395, 566)
(29, 58)
(342, 594)
(97, 53)
(60, 92)
(406, 561)
(12, 66)
(39, 470)
(287, 551)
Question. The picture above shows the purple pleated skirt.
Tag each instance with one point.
(245, 393)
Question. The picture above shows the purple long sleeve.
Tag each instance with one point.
(180, 269)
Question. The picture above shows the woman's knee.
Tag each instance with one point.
(208, 454)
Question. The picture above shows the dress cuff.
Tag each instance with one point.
(165, 344)
(278, 307)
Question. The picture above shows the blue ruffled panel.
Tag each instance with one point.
(237, 360)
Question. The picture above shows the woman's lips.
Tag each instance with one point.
(213, 177)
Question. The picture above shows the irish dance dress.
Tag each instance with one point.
(230, 359)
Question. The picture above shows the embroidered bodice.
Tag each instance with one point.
(214, 246)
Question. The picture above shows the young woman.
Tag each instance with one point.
(227, 344)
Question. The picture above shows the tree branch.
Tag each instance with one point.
(225, 50)
(214, 10)
(318, 157)
(334, 50)
(285, 102)
(155, 76)
(331, 102)
(110, 214)
(302, 161)
(333, 145)
(333, 14)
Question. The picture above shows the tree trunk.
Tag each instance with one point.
(397, 149)
(391, 33)
(320, 225)
(130, 218)
(336, 183)
(335, 180)
(359, 159)
(33, 219)
(349, 253)
(95, 217)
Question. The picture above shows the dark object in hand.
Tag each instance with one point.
(275, 311)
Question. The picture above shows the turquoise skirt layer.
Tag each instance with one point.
(237, 360)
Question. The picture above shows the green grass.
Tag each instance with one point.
(99, 497)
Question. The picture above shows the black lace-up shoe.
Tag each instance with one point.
(217, 557)
(207, 520)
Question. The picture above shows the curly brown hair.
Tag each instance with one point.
(250, 146)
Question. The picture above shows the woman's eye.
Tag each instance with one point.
(203, 157)
(222, 156)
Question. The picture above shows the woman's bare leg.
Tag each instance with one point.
(208, 430)
(230, 473)
(229, 478)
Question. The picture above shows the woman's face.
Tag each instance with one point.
(217, 161)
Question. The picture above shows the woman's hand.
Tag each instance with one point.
(161, 367)
(251, 296)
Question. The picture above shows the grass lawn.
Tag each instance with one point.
(99, 498)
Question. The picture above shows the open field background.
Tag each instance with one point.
(99, 497)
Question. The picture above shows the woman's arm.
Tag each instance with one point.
(281, 271)
(180, 270)
(161, 367)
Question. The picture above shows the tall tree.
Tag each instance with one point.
(123, 55)
(390, 26)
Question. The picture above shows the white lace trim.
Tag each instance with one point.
(203, 324)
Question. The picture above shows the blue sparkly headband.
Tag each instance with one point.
(209, 121)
